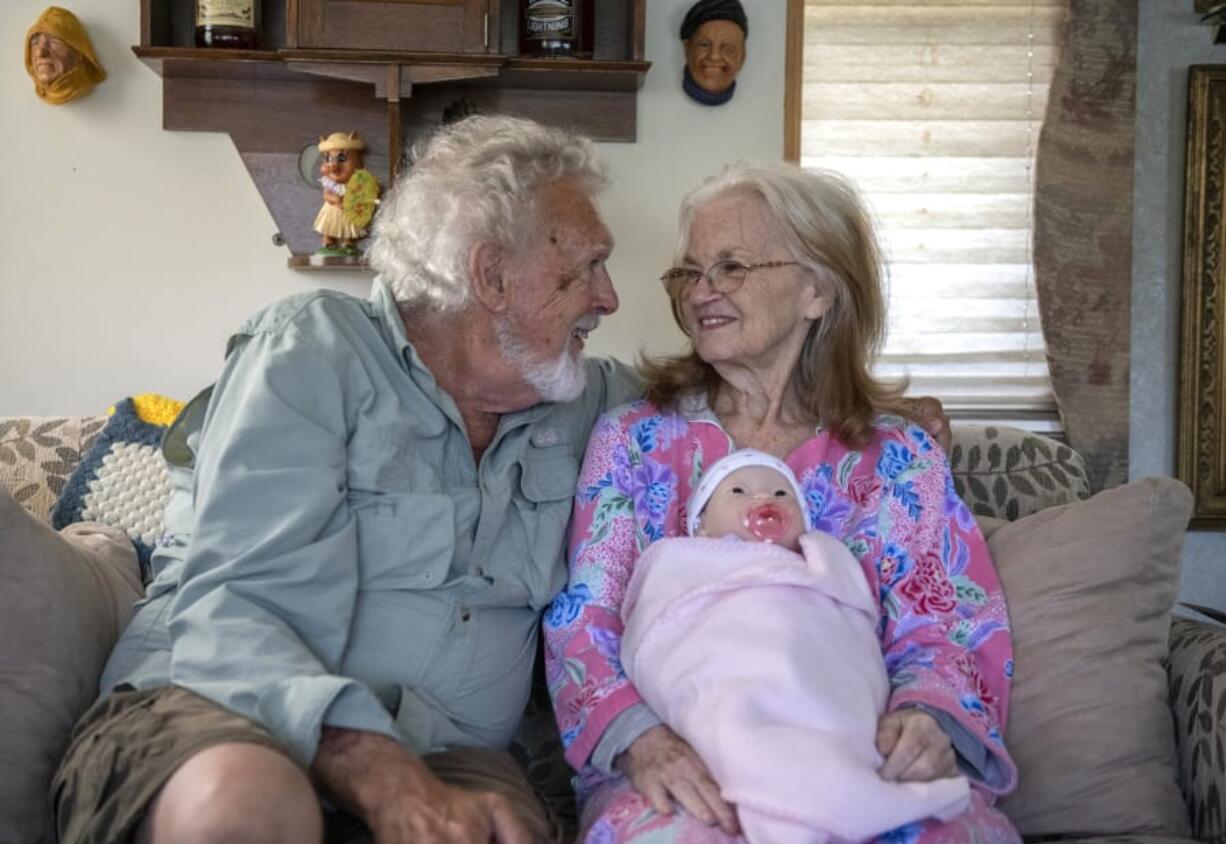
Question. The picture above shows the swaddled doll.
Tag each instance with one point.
(754, 639)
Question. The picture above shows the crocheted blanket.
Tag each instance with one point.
(122, 480)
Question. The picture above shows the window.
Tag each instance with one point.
(934, 110)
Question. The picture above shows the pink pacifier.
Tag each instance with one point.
(768, 522)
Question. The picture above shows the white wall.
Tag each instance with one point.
(128, 254)
(1169, 41)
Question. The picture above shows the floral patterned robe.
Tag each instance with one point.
(944, 629)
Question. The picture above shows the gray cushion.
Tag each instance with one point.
(64, 598)
(1090, 587)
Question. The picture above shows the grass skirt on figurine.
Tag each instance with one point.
(331, 222)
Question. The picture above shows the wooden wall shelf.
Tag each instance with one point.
(276, 102)
(327, 262)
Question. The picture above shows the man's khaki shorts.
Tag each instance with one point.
(126, 747)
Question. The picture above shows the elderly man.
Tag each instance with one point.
(348, 603)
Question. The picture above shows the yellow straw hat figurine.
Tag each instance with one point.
(350, 191)
(60, 58)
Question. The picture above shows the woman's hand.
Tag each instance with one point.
(915, 747)
(663, 768)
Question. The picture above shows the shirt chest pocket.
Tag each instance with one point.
(405, 540)
(546, 480)
(544, 501)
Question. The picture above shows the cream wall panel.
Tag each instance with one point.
(130, 253)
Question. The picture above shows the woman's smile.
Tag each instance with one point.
(710, 323)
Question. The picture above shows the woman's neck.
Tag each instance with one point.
(761, 413)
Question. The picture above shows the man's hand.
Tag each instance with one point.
(401, 801)
(663, 768)
(929, 414)
(448, 815)
(915, 747)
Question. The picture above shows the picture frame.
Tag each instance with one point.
(1201, 428)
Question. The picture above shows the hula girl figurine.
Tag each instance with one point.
(350, 193)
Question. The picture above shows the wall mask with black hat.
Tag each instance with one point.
(714, 33)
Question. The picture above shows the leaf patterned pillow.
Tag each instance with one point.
(38, 454)
(1197, 684)
(1010, 473)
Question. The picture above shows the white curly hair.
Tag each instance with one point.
(471, 181)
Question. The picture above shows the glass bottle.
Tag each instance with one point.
(562, 29)
(234, 24)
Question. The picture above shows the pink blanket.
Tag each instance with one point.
(767, 662)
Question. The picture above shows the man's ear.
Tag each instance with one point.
(487, 275)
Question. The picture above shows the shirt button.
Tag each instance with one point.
(465, 614)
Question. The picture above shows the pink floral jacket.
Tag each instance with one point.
(944, 629)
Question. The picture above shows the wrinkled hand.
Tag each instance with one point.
(915, 747)
(929, 414)
(447, 815)
(401, 801)
(663, 768)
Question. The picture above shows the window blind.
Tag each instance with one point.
(933, 109)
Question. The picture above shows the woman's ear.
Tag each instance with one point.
(823, 297)
(818, 306)
(487, 276)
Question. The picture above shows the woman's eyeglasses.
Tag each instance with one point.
(725, 276)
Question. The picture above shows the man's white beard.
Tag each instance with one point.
(559, 380)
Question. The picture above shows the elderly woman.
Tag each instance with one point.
(777, 285)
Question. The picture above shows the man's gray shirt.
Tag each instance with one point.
(336, 556)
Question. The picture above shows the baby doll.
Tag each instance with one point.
(753, 496)
(755, 640)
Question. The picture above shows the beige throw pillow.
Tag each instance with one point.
(1090, 586)
(64, 598)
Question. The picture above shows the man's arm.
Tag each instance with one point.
(262, 613)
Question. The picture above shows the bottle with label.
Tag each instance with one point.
(228, 23)
(562, 29)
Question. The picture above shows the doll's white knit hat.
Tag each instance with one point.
(725, 466)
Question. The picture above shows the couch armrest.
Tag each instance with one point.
(1197, 681)
(1009, 473)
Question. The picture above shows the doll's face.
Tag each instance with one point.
(339, 164)
(755, 503)
(714, 55)
(51, 57)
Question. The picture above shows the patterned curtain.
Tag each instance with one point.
(1083, 231)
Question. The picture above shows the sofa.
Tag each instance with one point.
(1116, 718)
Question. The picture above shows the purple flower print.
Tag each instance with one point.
(828, 508)
(955, 507)
(608, 644)
(650, 486)
(602, 832)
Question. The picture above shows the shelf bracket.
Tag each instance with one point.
(394, 92)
